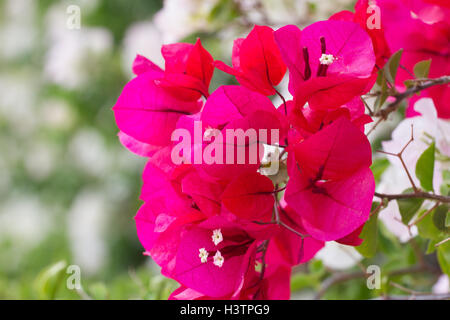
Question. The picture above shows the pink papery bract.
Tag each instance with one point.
(257, 62)
(327, 86)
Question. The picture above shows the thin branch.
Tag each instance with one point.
(418, 194)
(407, 290)
(277, 213)
(399, 155)
(279, 190)
(283, 99)
(378, 208)
(374, 126)
(336, 279)
(443, 296)
(416, 221)
(343, 277)
(292, 230)
(407, 70)
(441, 242)
(393, 106)
(282, 224)
(367, 106)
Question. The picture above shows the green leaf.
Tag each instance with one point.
(443, 255)
(378, 167)
(380, 77)
(445, 186)
(369, 234)
(98, 291)
(440, 217)
(427, 226)
(425, 168)
(431, 246)
(223, 11)
(446, 175)
(447, 220)
(382, 97)
(391, 67)
(409, 207)
(301, 281)
(316, 266)
(422, 68)
(49, 280)
(387, 242)
(445, 189)
(409, 83)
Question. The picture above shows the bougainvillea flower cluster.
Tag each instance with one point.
(224, 230)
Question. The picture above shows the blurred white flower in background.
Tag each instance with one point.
(442, 286)
(394, 179)
(57, 114)
(426, 127)
(180, 18)
(5, 176)
(73, 53)
(300, 12)
(283, 12)
(17, 31)
(88, 150)
(142, 38)
(66, 59)
(57, 16)
(323, 9)
(24, 222)
(18, 92)
(337, 256)
(24, 218)
(40, 160)
(86, 221)
(253, 11)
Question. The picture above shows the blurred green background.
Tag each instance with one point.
(68, 189)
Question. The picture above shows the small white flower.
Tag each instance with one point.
(327, 59)
(217, 236)
(203, 255)
(218, 259)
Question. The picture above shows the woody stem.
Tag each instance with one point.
(393, 106)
